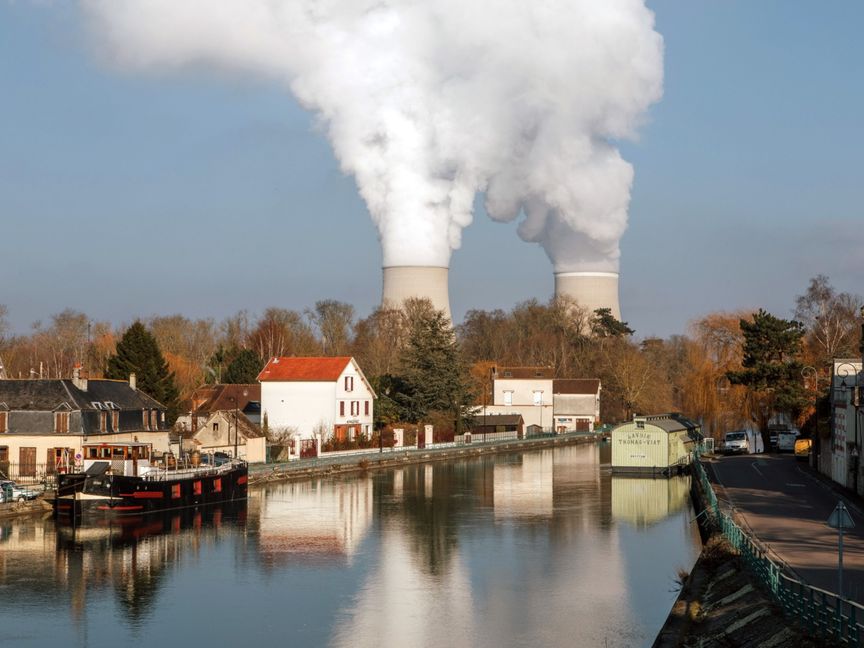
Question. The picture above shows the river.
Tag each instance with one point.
(539, 548)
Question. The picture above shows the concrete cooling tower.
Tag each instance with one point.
(591, 290)
(405, 282)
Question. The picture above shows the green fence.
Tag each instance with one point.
(821, 612)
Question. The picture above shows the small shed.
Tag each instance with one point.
(659, 444)
(492, 423)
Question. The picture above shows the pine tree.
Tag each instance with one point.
(435, 374)
(771, 366)
(138, 353)
(244, 368)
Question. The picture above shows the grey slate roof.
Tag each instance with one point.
(49, 395)
(585, 386)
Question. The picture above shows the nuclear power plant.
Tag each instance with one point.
(405, 282)
(591, 290)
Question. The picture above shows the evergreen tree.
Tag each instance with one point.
(138, 353)
(771, 366)
(244, 368)
(604, 324)
(436, 377)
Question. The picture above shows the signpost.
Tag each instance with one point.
(840, 519)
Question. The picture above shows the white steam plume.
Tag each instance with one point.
(427, 102)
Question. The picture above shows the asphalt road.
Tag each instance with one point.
(786, 508)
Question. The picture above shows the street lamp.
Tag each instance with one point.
(811, 373)
(855, 400)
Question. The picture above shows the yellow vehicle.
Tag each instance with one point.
(802, 448)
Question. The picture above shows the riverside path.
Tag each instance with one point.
(785, 506)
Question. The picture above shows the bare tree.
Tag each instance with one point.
(830, 320)
(334, 321)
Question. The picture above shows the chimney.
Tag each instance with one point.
(77, 380)
(133, 382)
(405, 282)
(591, 290)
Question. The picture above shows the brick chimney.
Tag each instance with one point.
(79, 381)
(133, 381)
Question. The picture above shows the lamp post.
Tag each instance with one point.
(851, 371)
(809, 372)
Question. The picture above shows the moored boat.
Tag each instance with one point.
(120, 479)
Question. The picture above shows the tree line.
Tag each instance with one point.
(727, 370)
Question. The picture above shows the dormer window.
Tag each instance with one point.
(4, 422)
(103, 421)
(97, 405)
(61, 422)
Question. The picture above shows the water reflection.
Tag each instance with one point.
(538, 548)
(644, 501)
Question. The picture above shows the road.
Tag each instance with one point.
(786, 508)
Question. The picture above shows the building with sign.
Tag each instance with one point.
(661, 444)
(845, 422)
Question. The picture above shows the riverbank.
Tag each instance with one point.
(346, 465)
(38, 506)
(721, 602)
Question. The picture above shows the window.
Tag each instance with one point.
(215, 427)
(154, 420)
(538, 397)
(349, 383)
(341, 408)
(366, 408)
(103, 421)
(355, 408)
(508, 374)
(508, 397)
(61, 422)
(640, 425)
(4, 454)
(144, 420)
(115, 421)
(4, 422)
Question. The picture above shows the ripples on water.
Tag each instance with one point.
(542, 548)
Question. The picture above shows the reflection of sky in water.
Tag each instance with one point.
(537, 549)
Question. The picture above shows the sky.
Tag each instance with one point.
(128, 195)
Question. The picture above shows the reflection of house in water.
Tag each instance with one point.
(310, 519)
(524, 488)
(402, 603)
(131, 559)
(642, 501)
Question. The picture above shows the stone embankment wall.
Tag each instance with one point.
(321, 467)
(722, 604)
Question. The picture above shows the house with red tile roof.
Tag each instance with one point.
(316, 396)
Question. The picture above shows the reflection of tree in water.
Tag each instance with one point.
(560, 495)
(133, 557)
(427, 500)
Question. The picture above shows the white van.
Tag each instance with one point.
(786, 440)
(743, 442)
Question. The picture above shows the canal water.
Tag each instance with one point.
(540, 548)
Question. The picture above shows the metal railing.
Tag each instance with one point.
(821, 612)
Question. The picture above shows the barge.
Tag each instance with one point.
(119, 479)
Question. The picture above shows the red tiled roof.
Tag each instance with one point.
(304, 369)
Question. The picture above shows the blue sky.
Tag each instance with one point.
(126, 195)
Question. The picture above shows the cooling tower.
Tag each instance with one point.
(404, 282)
(591, 290)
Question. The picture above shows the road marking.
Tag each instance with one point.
(756, 468)
(797, 485)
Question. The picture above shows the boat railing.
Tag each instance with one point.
(164, 474)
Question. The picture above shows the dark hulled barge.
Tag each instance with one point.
(119, 479)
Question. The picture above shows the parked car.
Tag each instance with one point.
(743, 441)
(786, 440)
(12, 492)
(802, 449)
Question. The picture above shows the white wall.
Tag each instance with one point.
(298, 405)
(523, 391)
(360, 394)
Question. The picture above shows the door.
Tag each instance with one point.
(27, 464)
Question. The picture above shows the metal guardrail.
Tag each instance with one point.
(821, 612)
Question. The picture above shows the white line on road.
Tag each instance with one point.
(756, 468)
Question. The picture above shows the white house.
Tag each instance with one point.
(316, 396)
(559, 404)
(523, 390)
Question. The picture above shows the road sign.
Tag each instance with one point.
(840, 518)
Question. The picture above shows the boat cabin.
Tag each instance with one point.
(124, 458)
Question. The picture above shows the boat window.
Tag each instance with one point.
(92, 453)
(104, 453)
(119, 453)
